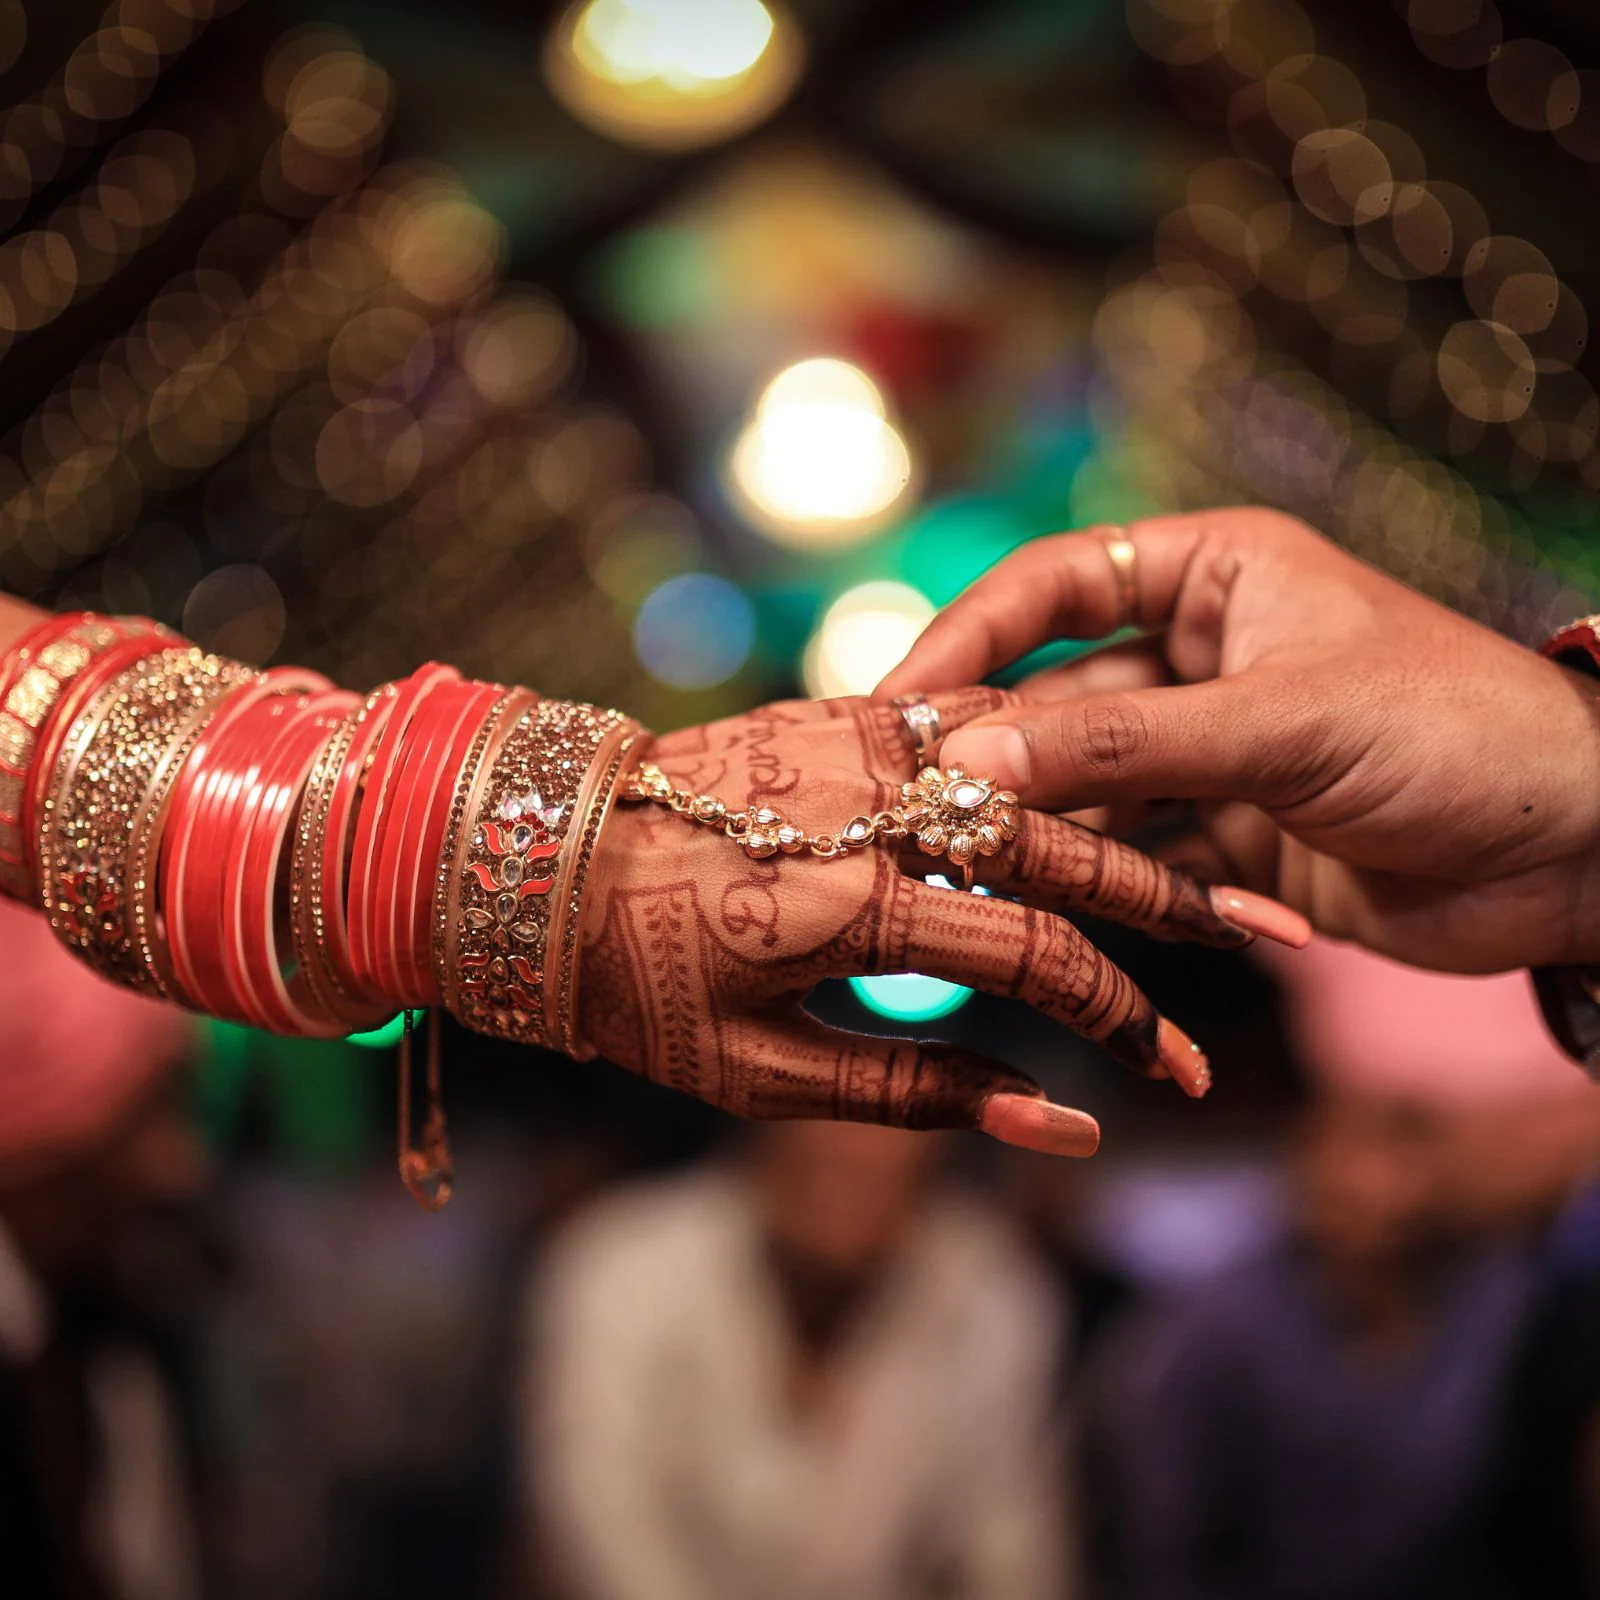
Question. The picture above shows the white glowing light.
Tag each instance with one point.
(820, 461)
(864, 633)
(822, 381)
(674, 74)
(686, 45)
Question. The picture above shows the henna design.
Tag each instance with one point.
(698, 958)
(1058, 866)
(750, 902)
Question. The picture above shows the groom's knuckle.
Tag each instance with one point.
(1108, 735)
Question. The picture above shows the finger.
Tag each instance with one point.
(1058, 866)
(1196, 855)
(798, 1067)
(1112, 669)
(1007, 949)
(891, 745)
(1061, 587)
(1233, 842)
(1242, 738)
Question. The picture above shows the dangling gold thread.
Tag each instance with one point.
(428, 1173)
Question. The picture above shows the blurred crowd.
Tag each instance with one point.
(805, 1360)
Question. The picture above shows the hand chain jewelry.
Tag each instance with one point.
(947, 810)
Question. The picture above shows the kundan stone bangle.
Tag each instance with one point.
(507, 860)
(99, 833)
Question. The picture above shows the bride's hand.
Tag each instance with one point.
(698, 956)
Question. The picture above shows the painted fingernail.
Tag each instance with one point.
(1034, 1124)
(991, 752)
(1256, 914)
(1184, 1060)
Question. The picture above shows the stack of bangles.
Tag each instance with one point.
(270, 849)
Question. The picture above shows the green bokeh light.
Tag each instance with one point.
(384, 1038)
(909, 996)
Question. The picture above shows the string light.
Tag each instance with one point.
(673, 74)
(105, 80)
(1366, 220)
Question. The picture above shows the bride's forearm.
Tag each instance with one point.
(427, 844)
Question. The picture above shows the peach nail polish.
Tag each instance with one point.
(1183, 1059)
(1255, 913)
(1032, 1123)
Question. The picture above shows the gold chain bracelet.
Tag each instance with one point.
(947, 810)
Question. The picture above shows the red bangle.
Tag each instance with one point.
(276, 1002)
(1578, 645)
(338, 842)
(22, 710)
(403, 867)
(218, 816)
(1570, 996)
(189, 916)
(413, 769)
(374, 817)
(20, 656)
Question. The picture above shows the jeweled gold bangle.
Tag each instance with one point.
(466, 806)
(99, 833)
(506, 867)
(29, 702)
(613, 760)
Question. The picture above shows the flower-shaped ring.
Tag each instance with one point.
(955, 814)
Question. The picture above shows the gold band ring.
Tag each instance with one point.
(1125, 564)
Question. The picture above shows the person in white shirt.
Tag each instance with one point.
(815, 1372)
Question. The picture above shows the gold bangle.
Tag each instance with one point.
(350, 1013)
(506, 866)
(593, 805)
(465, 807)
(99, 833)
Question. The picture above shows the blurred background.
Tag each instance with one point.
(679, 354)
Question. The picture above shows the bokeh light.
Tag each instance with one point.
(383, 1038)
(236, 611)
(673, 74)
(695, 631)
(820, 463)
(687, 47)
(909, 996)
(862, 635)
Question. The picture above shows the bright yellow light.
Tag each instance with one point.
(864, 633)
(820, 463)
(686, 44)
(822, 381)
(673, 73)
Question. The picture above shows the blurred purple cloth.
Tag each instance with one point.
(1258, 1461)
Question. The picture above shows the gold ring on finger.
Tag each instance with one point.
(921, 718)
(1124, 556)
